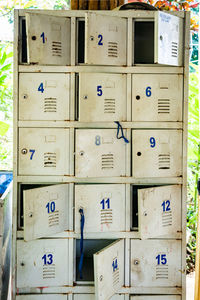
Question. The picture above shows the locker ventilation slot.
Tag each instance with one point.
(109, 106)
(107, 161)
(162, 272)
(54, 219)
(163, 106)
(49, 271)
(163, 161)
(50, 105)
(167, 219)
(49, 159)
(56, 49)
(112, 49)
(174, 49)
(115, 275)
(106, 216)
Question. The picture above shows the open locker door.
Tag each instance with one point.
(46, 211)
(109, 270)
(159, 212)
(105, 40)
(168, 39)
(48, 39)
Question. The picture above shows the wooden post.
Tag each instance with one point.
(96, 4)
(93, 5)
(197, 260)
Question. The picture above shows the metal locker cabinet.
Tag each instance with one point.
(157, 97)
(46, 211)
(99, 153)
(43, 151)
(156, 263)
(105, 40)
(168, 39)
(103, 206)
(159, 212)
(156, 297)
(92, 297)
(42, 297)
(48, 39)
(42, 263)
(44, 96)
(102, 97)
(157, 153)
(109, 280)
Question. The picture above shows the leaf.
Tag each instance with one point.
(3, 128)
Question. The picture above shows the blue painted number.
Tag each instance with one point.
(51, 206)
(32, 153)
(48, 259)
(161, 259)
(41, 88)
(148, 91)
(97, 140)
(100, 37)
(115, 265)
(99, 90)
(166, 205)
(105, 203)
(152, 142)
(43, 37)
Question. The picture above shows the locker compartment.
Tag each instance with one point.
(81, 41)
(105, 40)
(156, 263)
(103, 206)
(158, 41)
(42, 263)
(99, 153)
(156, 153)
(44, 96)
(48, 39)
(102, 97)
(42, 297)
(156, 211)
(92, 297)
(156, 297)
(43, 151)
(46, 211)
(157, 97)
(108, 281)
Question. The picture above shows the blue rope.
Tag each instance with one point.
(122, 133)
(81, 243)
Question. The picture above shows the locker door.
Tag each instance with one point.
(156, 263)
(102, 97)
(105, 40)
(157, 97)
(44, 96)
(48, 39)
(168, 39)
(43, 151)
(42, 263)
(157, 297)
(109, 270)
(42, 297)
(45, 211)
(159, 212)
(103, 205)
(99, 153)
(157, 153)
(92, 297)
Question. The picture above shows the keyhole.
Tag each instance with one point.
(138, 97)
(25, 96)
(33, 37)
(161, 37)
(24, 151)
(139, 154)
(91, 38)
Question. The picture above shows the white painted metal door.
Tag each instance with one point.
(157, 97)
(156, 297)
(99, 153)
(160, 212)
(92, 297)
(105, 40)
(46, 211)
(42, 263)
(103, 205)
(48, 39)
(168, 39)
(109, 270)
(102, 97)
(44, 96)
(42, 297)
(157, 153)
(43, 151)
(156, 263)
